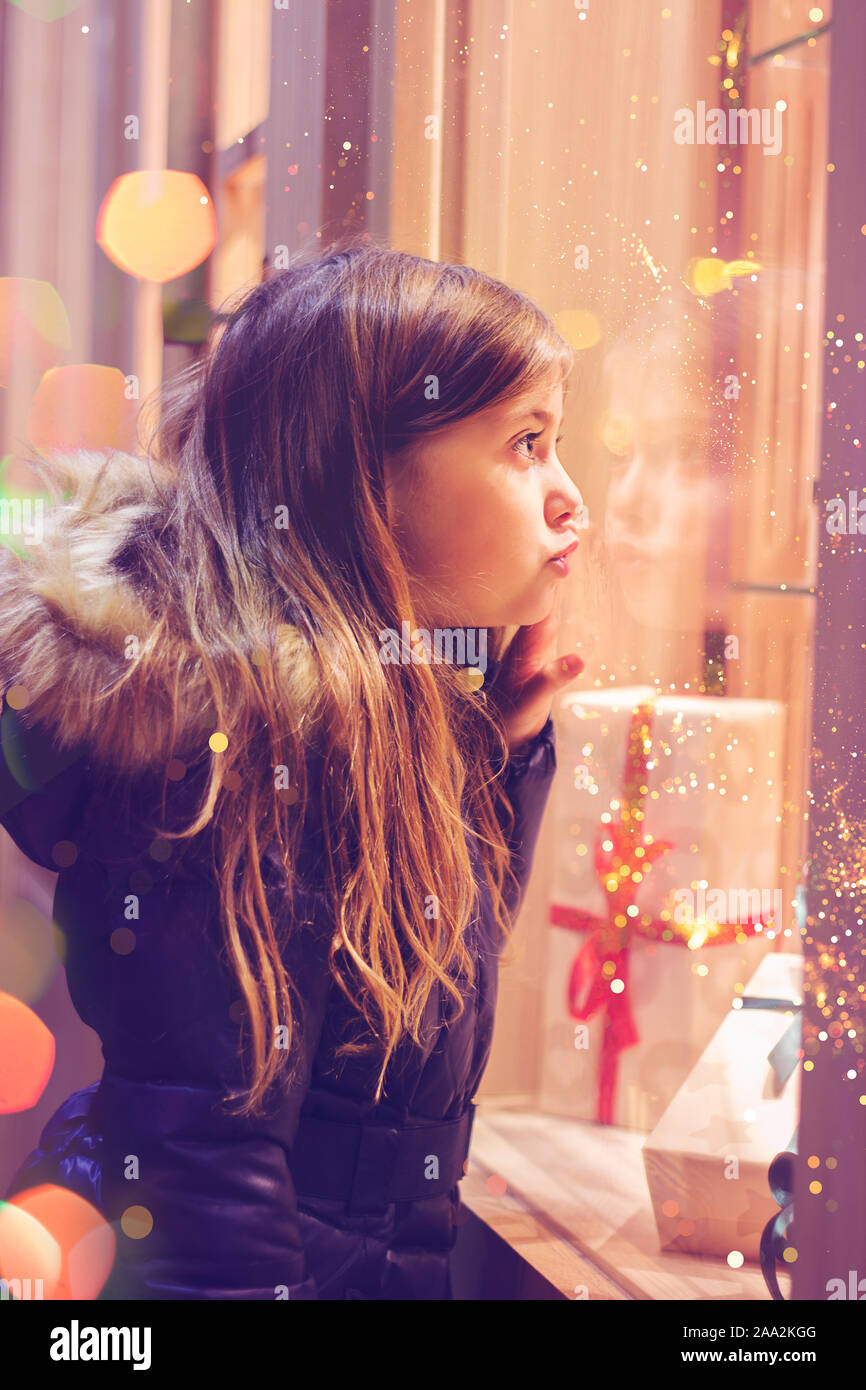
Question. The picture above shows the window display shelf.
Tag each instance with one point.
(577, 1213)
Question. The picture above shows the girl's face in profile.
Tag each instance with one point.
(488, 507)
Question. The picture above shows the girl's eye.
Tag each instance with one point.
(528, 440)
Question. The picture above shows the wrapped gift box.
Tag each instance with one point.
(676, 1010)
(706, 1161)
(712, 792)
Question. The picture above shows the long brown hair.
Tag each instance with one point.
(285, 572)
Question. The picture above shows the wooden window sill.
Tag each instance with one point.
(576, 1212)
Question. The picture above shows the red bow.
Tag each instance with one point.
(623, 856)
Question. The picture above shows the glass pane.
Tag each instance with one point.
(666, 201)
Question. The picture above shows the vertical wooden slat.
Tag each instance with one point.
(243, 69)
(155, 50)
(773, 531)
(416, 165)
(118, 94)
(191, 145)
(488, 231)
(294, 131)
(382, 41)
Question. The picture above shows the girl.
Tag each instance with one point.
(287, 860)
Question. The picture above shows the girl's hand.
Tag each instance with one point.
(531, 675)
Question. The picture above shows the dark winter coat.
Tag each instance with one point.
(328, 1197)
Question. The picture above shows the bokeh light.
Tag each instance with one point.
(28, 960)
(34, 326)
(707, 275)
(83, 406)
(579, 327)
(28, 1251)
(157, 224)
(26, 1055)
(47, 10)
(86, 1240)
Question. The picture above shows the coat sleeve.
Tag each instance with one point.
(527, 781)
(218, 1187)
(41, 789)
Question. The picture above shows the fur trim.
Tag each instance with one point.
(67, 615)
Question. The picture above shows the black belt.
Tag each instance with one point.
(370, 1165)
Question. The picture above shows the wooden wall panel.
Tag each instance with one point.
(774, 519)
(242, 62)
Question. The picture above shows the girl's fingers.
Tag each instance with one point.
(545, 683)
(568, 667)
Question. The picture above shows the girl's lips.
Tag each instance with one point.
(566, 551)
(561, 561)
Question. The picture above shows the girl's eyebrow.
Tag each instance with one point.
(543, 415)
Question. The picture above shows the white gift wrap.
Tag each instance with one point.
(707, 755)
(707, 1159)
(714, 788)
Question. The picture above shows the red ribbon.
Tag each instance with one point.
(608, 944)
(591, 985)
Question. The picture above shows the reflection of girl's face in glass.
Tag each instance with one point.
(656, 438)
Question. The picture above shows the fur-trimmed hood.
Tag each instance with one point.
(71, 620)
(73, 617)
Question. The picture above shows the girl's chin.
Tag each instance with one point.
(530, 611)
(532, 606)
